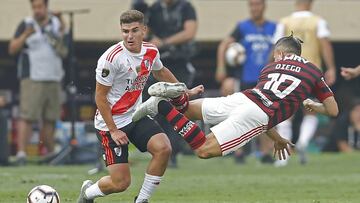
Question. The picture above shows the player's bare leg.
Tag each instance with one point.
(211, 148)
(160, 148)
(118, 180)
(193, 111)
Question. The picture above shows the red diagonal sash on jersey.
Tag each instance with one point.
(130, 97)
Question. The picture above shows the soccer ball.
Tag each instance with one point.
(235, 54)
(43, 194)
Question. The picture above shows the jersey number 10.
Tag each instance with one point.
(277, 79)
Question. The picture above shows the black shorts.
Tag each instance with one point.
(139, 133)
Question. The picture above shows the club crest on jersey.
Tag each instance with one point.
(117, 151)
(105, 72)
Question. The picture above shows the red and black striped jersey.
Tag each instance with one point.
(285, 84)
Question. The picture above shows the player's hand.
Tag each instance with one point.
(220, 75)
(2, 101)
(119, 137)
(57, 13)
(157, 42)
(308, 104)
(330, 76)
(198, 90)
(348, 73)
(281, 147)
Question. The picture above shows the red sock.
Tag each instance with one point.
(191, 133)
(181, 103)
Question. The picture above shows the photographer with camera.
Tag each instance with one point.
(39, 48)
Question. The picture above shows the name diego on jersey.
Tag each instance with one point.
(289, 67)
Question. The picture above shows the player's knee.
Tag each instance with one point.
(122, 185)
(163, 150)
(203, 153)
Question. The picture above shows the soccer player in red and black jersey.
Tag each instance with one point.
(282, 87)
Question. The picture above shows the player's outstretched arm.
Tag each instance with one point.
(327, 107)
(281, 145)
(350, 73)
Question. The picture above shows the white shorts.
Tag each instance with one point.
(237, 120)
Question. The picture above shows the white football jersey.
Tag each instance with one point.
(126, 73)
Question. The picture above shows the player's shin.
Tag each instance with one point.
(191, 133)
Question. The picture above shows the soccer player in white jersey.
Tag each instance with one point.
(121, 74)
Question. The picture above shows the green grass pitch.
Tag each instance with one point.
(328, 178)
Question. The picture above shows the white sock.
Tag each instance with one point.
(307, 131)
(285, 129)
(94, 191)
(150, 184)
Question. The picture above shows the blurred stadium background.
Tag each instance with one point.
(327, 178)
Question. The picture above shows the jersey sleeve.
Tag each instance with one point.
(189, 12)
(20, 29)
(322, 90)
(236, 34)
(323, 29)
(157, 65)
(105, 72)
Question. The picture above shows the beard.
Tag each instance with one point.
(40, 17)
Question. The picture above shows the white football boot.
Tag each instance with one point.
(149, 107)
(81, 199)
(167, 90)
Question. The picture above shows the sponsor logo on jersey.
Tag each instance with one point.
(296, 58)
(136, 84)
(263, 98)
(117, 151)
(105, 72)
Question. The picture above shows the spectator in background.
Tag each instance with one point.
(255, 34)
(140, 5)
(313, 30)
(172, 27)
(346, 134)
(39, 48)
(350, 73)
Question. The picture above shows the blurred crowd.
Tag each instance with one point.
(40, 46)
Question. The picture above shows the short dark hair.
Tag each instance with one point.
(131, 16)
(289, 44)
(45, 1)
